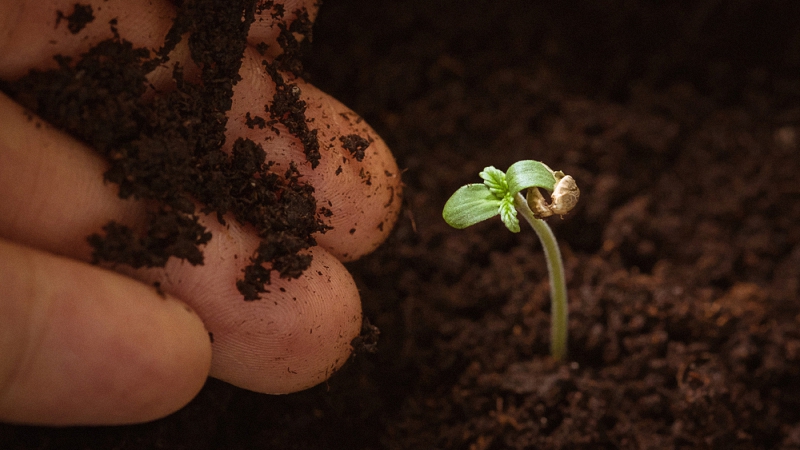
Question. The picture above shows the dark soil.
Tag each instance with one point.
(680, 123)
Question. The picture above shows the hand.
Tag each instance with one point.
(80, 344)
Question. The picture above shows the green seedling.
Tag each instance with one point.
(501, 193)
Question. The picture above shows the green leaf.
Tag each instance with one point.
(495, 180)
(525, 174)
(508, 214)
(469, 205)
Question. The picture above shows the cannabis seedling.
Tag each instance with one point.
(500, 193)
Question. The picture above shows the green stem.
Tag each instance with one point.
(558, 284)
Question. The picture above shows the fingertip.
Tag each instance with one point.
(296, 336)
(363, 193)
(356, 182)
(83, 346)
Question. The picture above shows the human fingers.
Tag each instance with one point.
(293, 338)
(52, 191)
(83, 345)
(364, 196)
(371, 243)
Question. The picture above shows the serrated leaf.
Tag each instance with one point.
(495, 180)
(508, 214)
(469, 205)
(526, 174)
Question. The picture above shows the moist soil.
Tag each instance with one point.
(681, 125)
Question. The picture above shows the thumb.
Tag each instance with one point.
(82, 345)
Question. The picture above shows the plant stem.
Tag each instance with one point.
(558, 284)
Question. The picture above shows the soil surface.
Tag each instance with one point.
(680, 123)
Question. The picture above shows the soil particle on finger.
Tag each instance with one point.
(288, 109)
(255, 121)
(356, 145)
(291, 39)
(81, 16)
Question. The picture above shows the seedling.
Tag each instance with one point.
(501, 193)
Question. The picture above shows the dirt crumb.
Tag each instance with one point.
(356, 145)
(255, 121)
(367, 341)
(81, 16)
(288, 109)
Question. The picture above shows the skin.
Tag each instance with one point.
(81, 344)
